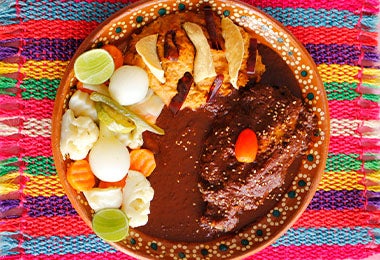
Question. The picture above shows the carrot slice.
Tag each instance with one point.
(116, 54)
(105, 184)
(82, 88)
(80, 176)
(142, 160)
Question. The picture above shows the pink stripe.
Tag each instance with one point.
(24, 146)
(31, 108)
(344, 145)
(347, 109)
(279, 253)
(351, 5)
(35, 146)
(316, 252)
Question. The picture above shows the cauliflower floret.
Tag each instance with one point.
(78, 135)
(99, 198)
(137, 194)
(134, 139)
(81, 104)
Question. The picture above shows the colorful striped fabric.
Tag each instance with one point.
(37, 40)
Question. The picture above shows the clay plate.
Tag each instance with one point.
(294, 200)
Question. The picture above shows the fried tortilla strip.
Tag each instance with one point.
(203, 63)
(147, 48)
(234, 49)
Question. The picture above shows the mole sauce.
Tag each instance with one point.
(177, 205)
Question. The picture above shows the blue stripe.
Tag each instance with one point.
(61, 245)
(8, 14)
(325, 236)
(94, 11)
(319, 17)
(77, 11)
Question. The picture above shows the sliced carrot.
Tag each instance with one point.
(142, 160)
(116, 54)
(82, 88)
(246, 146)
(80, 176)
(105, 184)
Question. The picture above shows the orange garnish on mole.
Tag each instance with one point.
(246, 146)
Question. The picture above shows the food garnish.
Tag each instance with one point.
(129, 85)
(218, 81)
(203, 62)
(109, 158)
(137, 194)
(211, 28)
(149, 108)
(147, 48)
(246, 146)
(171, 51)
(183, 88)
(81, 104)
(89, 88)
(116, 54)
(103, 198)
(116, 184)
(80, 176)
(78, 135)
(94, 66)
(127, 113)
(142, 160)
(252, 53)
(234, 49)
(113, 120)
(110, 224)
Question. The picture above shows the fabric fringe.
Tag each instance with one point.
(369, 102)
(12, 178)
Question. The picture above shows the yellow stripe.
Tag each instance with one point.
(338, 73)
(55, 70)
(371, 76)
(373, 179)
(341, 181)
(6, 67)
(44, 186)
(37, 69)
(50, 185)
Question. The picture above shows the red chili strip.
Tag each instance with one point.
(211, 28)
(251, 61)
(170, 46)
(183, 88)
(218, 81)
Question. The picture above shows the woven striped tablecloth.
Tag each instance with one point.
(37, 40)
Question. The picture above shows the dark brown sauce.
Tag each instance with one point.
(177, 205)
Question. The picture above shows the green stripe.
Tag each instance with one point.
(372, 97)
(7, 85)
(39, 88)
(372, 165)
(39, 165)
(46, 88)
(343, 162)
(8, 165)
(341, 90)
